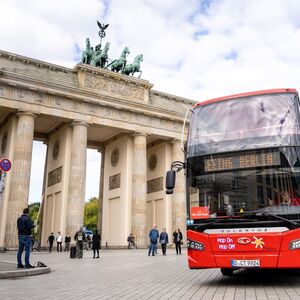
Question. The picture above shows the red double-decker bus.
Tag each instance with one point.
(243, 182)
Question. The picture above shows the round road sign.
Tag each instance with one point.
(5, 164)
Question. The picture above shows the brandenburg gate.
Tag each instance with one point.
(136, 129)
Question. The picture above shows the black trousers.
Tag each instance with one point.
(59, 247)
(178, 247)
(50, 246)
(95, 252)
(164, 248)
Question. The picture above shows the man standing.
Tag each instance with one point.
(177, 239)
(24, 225)
(50, 241)
(59, 240)
(79, 238)
(153, 235)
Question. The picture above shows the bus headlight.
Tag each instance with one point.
(195, 245)
(294, 245)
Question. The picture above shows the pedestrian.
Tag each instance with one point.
(24, 225)
(130, 240)
(79, 238)
(50, 240)
(164, 240)
(59, 240)
(96, 243)
(153, 236)
(67, 242)
(32, 243)
(88, 242)
(177, 239)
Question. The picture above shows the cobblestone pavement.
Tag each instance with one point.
(131, 274)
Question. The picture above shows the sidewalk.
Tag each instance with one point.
(10, 270)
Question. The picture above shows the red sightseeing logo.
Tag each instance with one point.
(244, 240)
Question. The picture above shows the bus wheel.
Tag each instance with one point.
(226, 271)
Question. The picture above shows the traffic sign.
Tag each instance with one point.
(5, 165)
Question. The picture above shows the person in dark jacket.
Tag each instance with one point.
(79, 237)
(177, 239)
(25, 226)
(164, 240)
(96, 243)
(50, 240)
(67, 242)
(153, 236)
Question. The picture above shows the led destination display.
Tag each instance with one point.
(242, 161)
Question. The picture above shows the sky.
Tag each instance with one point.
(194, 49)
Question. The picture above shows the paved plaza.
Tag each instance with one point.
(131, 274)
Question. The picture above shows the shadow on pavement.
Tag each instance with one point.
(260, 277)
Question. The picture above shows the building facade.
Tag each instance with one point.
(136, 129)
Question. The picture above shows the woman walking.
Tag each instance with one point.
(96, 243)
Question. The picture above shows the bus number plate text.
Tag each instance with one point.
(245, 263)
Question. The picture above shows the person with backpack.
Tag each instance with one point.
(80, 239)
(130, 240)
(164, 240)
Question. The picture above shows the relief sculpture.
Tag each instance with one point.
(113, 87)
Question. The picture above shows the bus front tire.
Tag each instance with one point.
(226, 271)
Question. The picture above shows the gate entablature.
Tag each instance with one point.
(97, 96)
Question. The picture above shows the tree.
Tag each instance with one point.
(91, 213)
(34, 210)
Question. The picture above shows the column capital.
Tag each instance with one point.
(175, 141)
(26, 113)
(79, 122)
(139, 133)
(101, 149)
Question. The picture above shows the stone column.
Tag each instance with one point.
(139, 190)
(179, 198)
(101, 186)
(77, 180)
(20, 179)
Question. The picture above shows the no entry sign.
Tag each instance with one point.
(5, 165)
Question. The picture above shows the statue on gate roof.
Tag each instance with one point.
(99, 56)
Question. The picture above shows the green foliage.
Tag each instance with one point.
(33, 214)
(34, 210)
(91, 213)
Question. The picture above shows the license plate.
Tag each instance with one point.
(245, 263)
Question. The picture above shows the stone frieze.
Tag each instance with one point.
(111, 87)
(88, 108)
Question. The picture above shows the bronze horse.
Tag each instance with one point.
(119, 64)
(134, 67)
(100, 58)
(87, 53)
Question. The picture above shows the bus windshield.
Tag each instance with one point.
(234, 184)
(252, 122)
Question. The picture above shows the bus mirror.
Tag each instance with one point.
(170, 181)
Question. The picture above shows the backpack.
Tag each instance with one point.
(40, 264)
